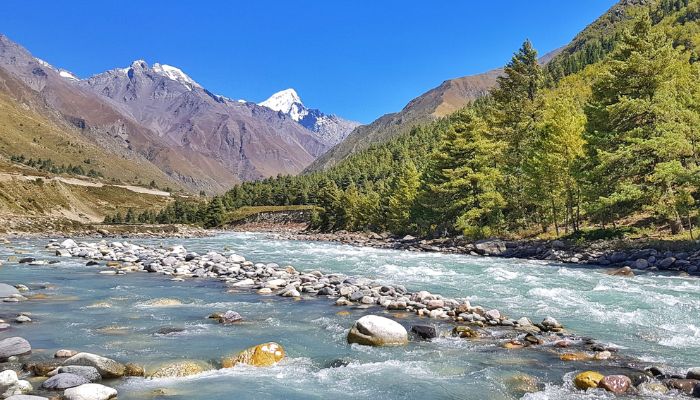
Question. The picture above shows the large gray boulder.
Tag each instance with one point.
(89, 373)
(90, 391)
(373, 330)
(64, 381)
(107, 368)
(7, 290)
(14, 346)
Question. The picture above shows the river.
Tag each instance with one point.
(653, 317)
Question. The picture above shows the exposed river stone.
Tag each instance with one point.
(262, 355)
(107, 368)
(90, 391)
(180, 369)
(617, 384)
(14, 346)
(7, 290)
(89, 373)
(64, 381)
(373, 330)
(588, 380)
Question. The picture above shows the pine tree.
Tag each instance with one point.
(462, 185)
(403, 194)
(551, 165)
(215, 213)
(642, 129)
(513, 118)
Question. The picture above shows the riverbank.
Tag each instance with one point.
(441, 316)
(677, 258)
(13, 226)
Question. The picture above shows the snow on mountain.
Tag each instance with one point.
(62, 72)
(68, 75)
(175, 74)
(330, 128)
(287, 102)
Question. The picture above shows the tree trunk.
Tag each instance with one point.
(690, 226)
(554, 216)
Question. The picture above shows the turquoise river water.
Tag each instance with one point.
(653, 317)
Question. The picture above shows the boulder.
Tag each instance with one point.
(26, 397)
(64, 381)
(465, 332)
(132, 369)
(617, 384)
(14, 346)
(492, 315)
(68, 244)
(686, 386)
(89, 373)
(107, 368)
(7, 290)
(696, 391)
(424, 331)
(262, 355)
(373, 330)
(42, 368)
(90, 391)
(490, 247)
(666, 262)
(230, 317)
(63, 353)
(693, 373)
(588, 380)
(8, 378)
(180, 369)
(652, 387)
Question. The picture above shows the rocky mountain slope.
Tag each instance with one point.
(330, 128)
(161, 119)
(229, 141)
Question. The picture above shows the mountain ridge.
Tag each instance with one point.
(330, 127)
(200, 140)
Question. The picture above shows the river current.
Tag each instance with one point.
(655, 318)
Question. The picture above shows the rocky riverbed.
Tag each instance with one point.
(431, 317)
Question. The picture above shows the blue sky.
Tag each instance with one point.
(359, 59)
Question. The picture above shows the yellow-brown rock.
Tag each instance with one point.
(180, 369)
(134, 370)
(465, 332)
(262, 355)
(575, 357)
(588, 380)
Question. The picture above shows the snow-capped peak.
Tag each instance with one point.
(175, 74)
(287, 102)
